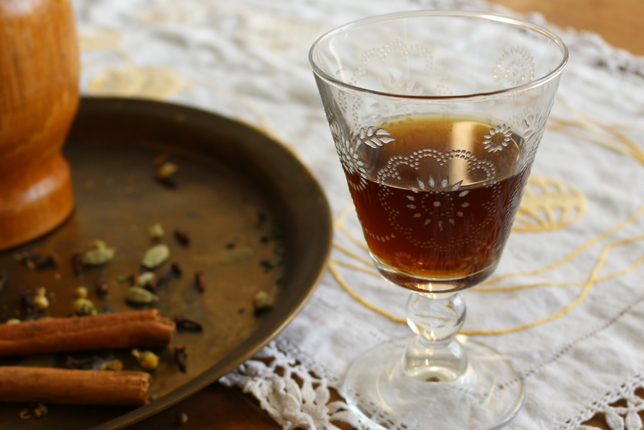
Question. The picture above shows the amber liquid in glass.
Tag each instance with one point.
(437, 203)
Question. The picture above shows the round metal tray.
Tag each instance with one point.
(236, 188)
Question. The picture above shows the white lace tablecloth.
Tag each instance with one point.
(567, 307)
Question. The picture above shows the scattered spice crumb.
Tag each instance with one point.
(161, 158)
(84, 307)
(40, 300)
(261, 217)
(241, 311)
(113, 365)
(77, 264)
(230, 245)
(266, 265)
(182, 237)
(156, 231)
(182, 418)
(183, 323)
(199, 282)
(147, 359)
(180, 357)
(262, 302)
(101, 285)
(25, 414)
(40, 410)
(80, 363)
(165, 174)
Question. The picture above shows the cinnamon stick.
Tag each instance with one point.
(73, 387)
(119, 330)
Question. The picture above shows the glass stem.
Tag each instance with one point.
(435, 355)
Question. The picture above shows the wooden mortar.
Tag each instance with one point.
(39, 80)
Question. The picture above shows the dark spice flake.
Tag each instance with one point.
(180, 357)
(199, 282)
(187, 324)
(182, 237)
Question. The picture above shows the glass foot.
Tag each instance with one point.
(486, 396)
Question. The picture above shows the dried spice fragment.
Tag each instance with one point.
(182, 237)
(182, 418)
(155, 256)
(262, 302)
(84, 307)
(81, 363)
(165, 174)
(113, 365)
(101, 285)
(199, 282)
(77, 264)
(31, 313)
(147, 359)
(156, 231)
(40, 300)
(40, 410)
(180, 357)
(183, 323)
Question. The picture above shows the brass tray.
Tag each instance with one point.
(236, 189)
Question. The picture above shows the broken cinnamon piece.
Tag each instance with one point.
(74, 387)
(118, 330)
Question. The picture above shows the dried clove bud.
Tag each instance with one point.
(199, 282)
(186, 324)
(101, 285)
(182, 237)
(176, 269)
(180, 357)
(46, 262)
(77, 264)
(81, 363)
(31, 313)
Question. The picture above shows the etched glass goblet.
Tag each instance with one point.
(436, 118)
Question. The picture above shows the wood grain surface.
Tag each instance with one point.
(222, 408)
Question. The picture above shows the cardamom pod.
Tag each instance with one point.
(155, 256)
(140, 296)
(99, 254)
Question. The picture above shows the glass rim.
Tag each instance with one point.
(442, 13)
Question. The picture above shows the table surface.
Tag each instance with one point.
(618, 22)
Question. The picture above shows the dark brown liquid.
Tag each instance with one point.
(438, 202)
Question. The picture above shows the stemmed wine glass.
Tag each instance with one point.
(436, 118)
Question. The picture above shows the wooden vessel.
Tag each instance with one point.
(39, 79)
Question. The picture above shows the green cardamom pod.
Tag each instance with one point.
(155, 256)
(140, 296)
